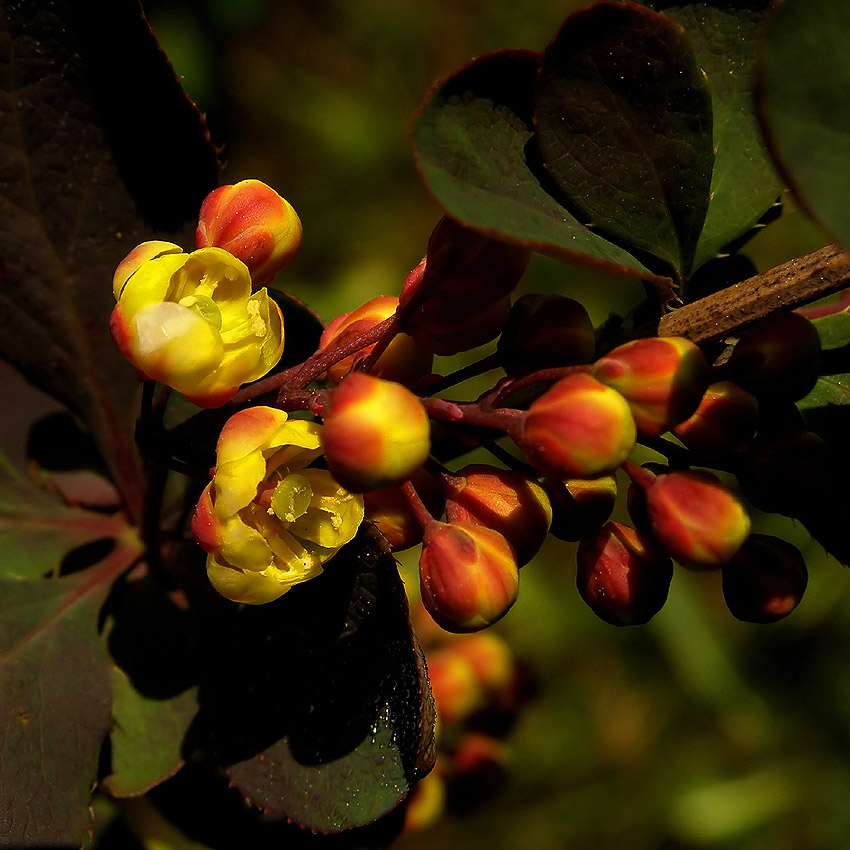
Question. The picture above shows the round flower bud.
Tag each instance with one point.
(490, 658)
(251, 221)
(580, 505)
(765, 581)
(663, 379)
(579, 428)
(403, 360)
(376, 435)
(457, 690)
(544, 331)
(504, 500)
(468, 576)
(723, 423)
(776, 357)
(623, 575)
(696, 519)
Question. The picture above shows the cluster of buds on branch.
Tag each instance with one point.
(562, 423)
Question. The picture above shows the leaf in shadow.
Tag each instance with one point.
(624, 121)
(99, 148)
(318, 703)
(474, 148)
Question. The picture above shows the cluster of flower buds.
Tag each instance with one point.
(562, 423)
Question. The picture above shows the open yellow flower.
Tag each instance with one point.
(266, 520)
(192, 322)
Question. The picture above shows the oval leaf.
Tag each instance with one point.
(805, 105)
(473, 144)
(624, 121)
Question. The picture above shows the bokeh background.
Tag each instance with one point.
(695, 731)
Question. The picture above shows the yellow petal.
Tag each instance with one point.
(334, 514)
(248, 587)
(250, 429)
(236, 483)
(243, 546)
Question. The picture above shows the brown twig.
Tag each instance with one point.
(790, 285)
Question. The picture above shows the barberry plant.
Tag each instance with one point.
(224, 572)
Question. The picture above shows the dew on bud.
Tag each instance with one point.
(623, 575)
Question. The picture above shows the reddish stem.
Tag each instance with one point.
(505, 419)
(641, 477)
(422, 514)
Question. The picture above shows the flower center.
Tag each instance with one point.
(291, 498)
(205, 307)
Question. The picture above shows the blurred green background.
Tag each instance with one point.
(695, 731)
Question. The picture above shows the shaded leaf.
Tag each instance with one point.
(54, 703)
(88, 105)
(318, 702)
(833, 330)
(805, 105)
(147, 736)
(473, 144)
(37, 530)
(744, 184)
(624, 121)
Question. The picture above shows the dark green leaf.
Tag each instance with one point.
(54, 703)
(147, 736)
(805, 105)
(318, 701)
(834, 330)
(37, 530)
(743, 185)
(474, 147)
(88, 106)
(624, 121)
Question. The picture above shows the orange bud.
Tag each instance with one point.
(663, 379)
(376, 433)
(504, 500)
(580, 505)
(623, 575)
(579, 428)
(456, 688)
(697, 520)
(489, 656)
(544, 331)
(468, 576)
(404, 360)
(765, 581)
(251, 221)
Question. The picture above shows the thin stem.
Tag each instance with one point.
(472, 370)
(422, 514)
(505, 419)
(541, 376)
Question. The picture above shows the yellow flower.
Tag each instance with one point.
(266, 520)
(192, 322)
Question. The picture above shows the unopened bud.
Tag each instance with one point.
(579, 428)
(544, 331)
(403, 360)
(723, 423)
(251, 221)
(765, 581)
(504, 500)
(696, 519)
(663, 379)
(623, 575)
(580, 505)
(468, 576)
(376, 433)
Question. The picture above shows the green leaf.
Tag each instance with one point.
(624, 120)
(147, 736)
(834, 330)
(37, 530)
(318, 702)
(805, 105)
(54, 703)
(474, 147)
(100, 147)
(744, 184)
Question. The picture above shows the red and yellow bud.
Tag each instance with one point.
(663, 379)
(723, 423)
(456, 688)
(458, 297)
(765, 581)
(623, 575)
(490, 658)
(580, 505)
(776, 357)
(696, 519)
(579, 428)
(192, 322)
(544, 331)
(268, 520)
(468, 576)
(251, 221)
(376, 435)
(507, 501)
(403, 360)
